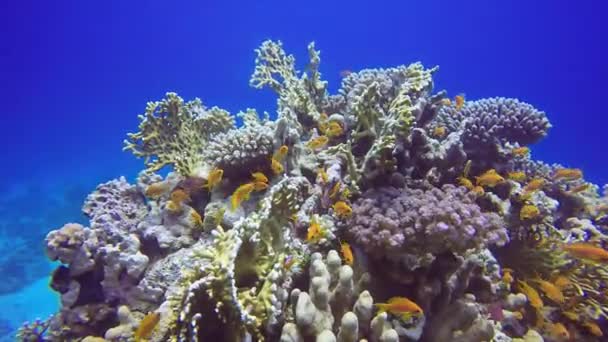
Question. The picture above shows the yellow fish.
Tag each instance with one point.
(507, 278)
(534, 185)
(259, 186)
(323, 176)
(342, 209)
(465, 182)
(399, 306)
(179, 196)
(259, 177)
(459, 99)
(155, 190)
(146, 326)
(281, 153)
(478, 190)
(531, 293)
(318, 142)
(593, 328)
(520, 151)
(558, 331)
(584, 250)
(518, 176)
(439, 132)
(489, 178)
(215, 177)
(550, 290)
(315, 232)
(568, 174)
(334, 129)
(241, 194)
(276, 166)
(173, 207)
(334, 190)
(347, 253)
(196, 218)
(528, 212)
(561, 281)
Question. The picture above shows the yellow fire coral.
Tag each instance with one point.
(174, 133)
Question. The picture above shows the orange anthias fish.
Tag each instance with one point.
(334, 129)
(520, 151)
(558, 331)
(155, 190)
(215, 177)
(528, 212)
(518, 176)
(465, 182)
(400, 306)
(568, 174)
(318, 142)
(259, 186)
(489, 178)
(315, 232)
(342, 209)
(531, 293)
(178, 196)
(196, 218)
(550, 290)
(280, 154)
(593, 328)
(587, 251)
(276, 166)
(259, 177)
(478, 190)
(146, 326)
(459, 99)
(534, 185)
(347, 253)
(241, 194)
(439, 132)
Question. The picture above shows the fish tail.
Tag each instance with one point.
(381, 307)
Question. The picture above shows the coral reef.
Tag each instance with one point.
(384, 212)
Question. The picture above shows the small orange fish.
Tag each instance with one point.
(465, 182)
(489, 178)
(259, 177)
(281, 153)
(534, 185)
(439, 132)
(446, 102)
(322, 176)
(241, 194)
(345, 73)
(196, 218)
(478, 190)
(347, 253)
(318, 142)
(518, 176)
(587, 251)
(520, 151)
(276, 166)
(400, 306)
(531, 293)
(561, 281)
(459, 99)
(146, 326)
(259, 186)
(550, 290)
(334, 129)
(579, 188)
(528, 212)
(179, 196)
(593, 328)
(507, 278)
(215, 177)
(155, 190)
(315, 232)
(558, 331)
(173, 207)
(342, 209)
(568, 174)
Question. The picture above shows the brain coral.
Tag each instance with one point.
(390, 221)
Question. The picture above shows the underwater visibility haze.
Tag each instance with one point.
(282, 171)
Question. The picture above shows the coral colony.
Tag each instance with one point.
(385, 212)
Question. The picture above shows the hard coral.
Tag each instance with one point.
(175, 133)
(390, 221)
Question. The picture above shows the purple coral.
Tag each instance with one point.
(495, 120)
(391, 221)
(115, 206)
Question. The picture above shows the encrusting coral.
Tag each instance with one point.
(384, 212)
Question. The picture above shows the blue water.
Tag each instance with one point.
(74, 75)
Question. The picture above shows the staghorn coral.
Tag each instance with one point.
(390, 221)
(175, 133)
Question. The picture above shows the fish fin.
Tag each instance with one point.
(382, 307)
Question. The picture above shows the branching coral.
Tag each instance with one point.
(175, 133)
